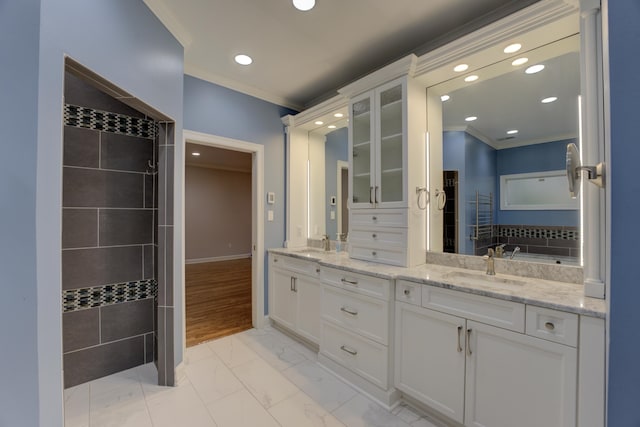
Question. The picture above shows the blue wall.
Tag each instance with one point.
(624, 296)
(475, 162)
(216, 110)
(336, 148)
(19, 38)
(535, 158)
(122, 41)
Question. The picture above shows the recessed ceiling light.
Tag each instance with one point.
(520, 61)
(549, 99)
(512, 48)
(471, 78)
(512, 132)
(319, 122)
(471, 118)
(243, 59)
(534, 69)
(195, 153)
(444, 98)
(304, 5)
(338, 115)
(331, 126)
(460, 68)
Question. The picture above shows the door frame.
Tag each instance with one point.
(257, 214)
(341, 164)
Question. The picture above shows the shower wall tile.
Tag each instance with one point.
(127, 319)
(79, 92)
(148, 261)
(79, 228)
(80, 329)
(162, 276)
(125, 227)
(169, 186)
(98, 188)
(126, 153)
(148, 347)
(166, 374)
(95, 362)
(162, 185)
(81, 147)
(99, 266)
(149, 196)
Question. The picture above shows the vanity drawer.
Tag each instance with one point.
(552, 325)
(360, 283)
(379, 217)
(384, 255)
(366, 358)
(409, 292)
(492, 311)
(396, 237)
(358, 313)
(295, 265)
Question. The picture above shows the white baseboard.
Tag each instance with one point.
(217, 258)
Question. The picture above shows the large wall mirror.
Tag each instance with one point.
(502, 131)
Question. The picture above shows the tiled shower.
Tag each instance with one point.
(115, 254)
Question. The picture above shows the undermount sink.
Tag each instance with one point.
(482, 279)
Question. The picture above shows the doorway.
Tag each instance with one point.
(223, 239)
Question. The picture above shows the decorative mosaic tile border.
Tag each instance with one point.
(538, 233)
(89, 118)
(99, 296)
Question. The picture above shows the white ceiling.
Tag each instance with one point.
(303, 57)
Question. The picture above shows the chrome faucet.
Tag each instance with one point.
(326, 242)
(491, 268)
(515, 251)
(500, 250)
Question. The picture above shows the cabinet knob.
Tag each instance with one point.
(407, 292)
(374, 253)
(550, 326)
(317, 270)
(375, 218)
(375, 236)
(275, 260)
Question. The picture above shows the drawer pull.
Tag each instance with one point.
(349, 311)
(375, 218)
(374, 253)
(468, 342)
(317, 270)
(407, 292)
(550, 326)
(275, 260)
(349, 282)
(375, 236)
(348, 350)
(459, 344)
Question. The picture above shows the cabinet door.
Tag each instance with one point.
(391, 135)
(430, 358)
(308, 318)
(518, 380)
(283, 304)
(362, 151)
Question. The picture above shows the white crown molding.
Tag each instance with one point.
(228, 83)
(317, 111)
(169, 20)
(528, 19)
(401, 67)
(501, 145)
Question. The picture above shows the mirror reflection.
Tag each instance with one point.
(503, 156)
(328, 181)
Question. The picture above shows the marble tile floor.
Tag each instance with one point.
(257, 378)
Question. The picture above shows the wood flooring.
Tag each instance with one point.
(218, 299)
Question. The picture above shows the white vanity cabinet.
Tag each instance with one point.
(387, 160)
(355, 338)
(472, 359)
(294, 295)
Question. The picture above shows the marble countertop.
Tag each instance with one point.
(552, 294)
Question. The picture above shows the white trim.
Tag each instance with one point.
(311, 114)
(217, 258)
(402, 67)
(507, 205)
(257, 150)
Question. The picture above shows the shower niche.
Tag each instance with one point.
(117, 234)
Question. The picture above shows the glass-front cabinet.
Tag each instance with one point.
(378, 138)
